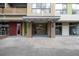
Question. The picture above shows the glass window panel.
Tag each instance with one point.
(58, 28)
(77, 29)
(61, 9)
(41, 8)
(58, 12)
(43, 5)
(75, 6)
(64, 6)
(34, 10)
(74, 29)
(33, 5)
(45, 11)
(48, 5)
(38, 5)
(3, 29)
(38, 11)
(58, 6)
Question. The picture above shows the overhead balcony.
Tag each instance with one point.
(15, 11)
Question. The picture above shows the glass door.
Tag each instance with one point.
(18, 29)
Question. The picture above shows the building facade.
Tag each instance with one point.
(39, 19)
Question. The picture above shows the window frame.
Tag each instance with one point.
(74, 25)
(58, 26)
(41, 8)
(75, 10)
(61, 11)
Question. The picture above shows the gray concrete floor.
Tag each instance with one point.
(21, 46)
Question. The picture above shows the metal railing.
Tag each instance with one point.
(13, 11)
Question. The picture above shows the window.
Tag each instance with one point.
(75, 8)
(41, 8)
(58, 29)
(74, 28)
(60, 9)
(3, 28)
(18, 5)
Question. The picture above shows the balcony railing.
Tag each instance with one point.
(1, 10)
(13, 11)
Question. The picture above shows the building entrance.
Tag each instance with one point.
(39, 29)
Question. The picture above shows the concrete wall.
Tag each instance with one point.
(52, 29)
(65, 29)
(69, 18)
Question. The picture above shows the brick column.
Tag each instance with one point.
(52, 30)
(49, 29)
(29, 29)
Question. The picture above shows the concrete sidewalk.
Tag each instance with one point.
(39, 46)
(42, 42)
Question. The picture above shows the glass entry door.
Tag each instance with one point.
(39, 29)
(18, 29)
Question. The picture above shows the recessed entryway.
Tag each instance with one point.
(39, 29)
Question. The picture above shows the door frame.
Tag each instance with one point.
(18, 28)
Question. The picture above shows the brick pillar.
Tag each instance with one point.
(29, 29)
(49, 29)
(52, 30)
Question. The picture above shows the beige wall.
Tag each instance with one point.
(29, 10)
(52, 30)
(65, 29)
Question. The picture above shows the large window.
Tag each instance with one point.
(74, 28)
(58, 29)
(41, 8)
(61, 9)
(4, 28)
(75, 8)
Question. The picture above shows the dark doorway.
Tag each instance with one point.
(39, 29)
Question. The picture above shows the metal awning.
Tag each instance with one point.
(41, 18)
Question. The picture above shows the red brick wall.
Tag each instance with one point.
(12, 28)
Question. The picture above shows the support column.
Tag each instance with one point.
(29, 9)
(65, 29)
(23, 29)
(49, 29)
(29, 29)
(52, 30)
